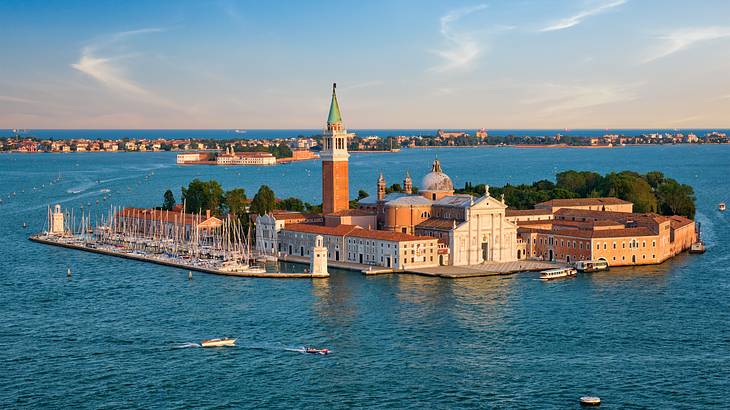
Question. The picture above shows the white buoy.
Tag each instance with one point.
(68, 272)
(190, 275)
(590, 401)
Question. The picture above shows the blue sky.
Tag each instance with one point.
(398, 64)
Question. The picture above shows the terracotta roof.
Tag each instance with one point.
(438, 223)
(288, 215)
(389, 235)
(623, 217)
(605, 233)
(520, 212)
(339, 230)
(679, 221)
(584, 202)
(167, 216)
(356, 232)
(351, 212)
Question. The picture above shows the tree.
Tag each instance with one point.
(631, 187)
(263, 202)
(291, 204)
(676, 199)
(362, 194)
(393, 188)
(235, 202)
(200, 196)
(654, 178)
(168, 202)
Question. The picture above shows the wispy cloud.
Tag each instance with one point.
(464, 48)
(561, 98)
(577, 18)
(680, 39)
(8, 98)
(100, 62)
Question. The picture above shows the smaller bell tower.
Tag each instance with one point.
(381, 187)
(408, 184)
(318, 262)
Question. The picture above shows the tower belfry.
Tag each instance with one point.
(335, 184)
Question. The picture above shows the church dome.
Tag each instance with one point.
(436, 180)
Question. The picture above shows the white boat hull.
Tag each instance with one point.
(218, 342)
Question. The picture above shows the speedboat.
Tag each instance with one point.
(313, 350)
(721, 207)
(218, 342)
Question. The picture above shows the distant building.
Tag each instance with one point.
(245, 158)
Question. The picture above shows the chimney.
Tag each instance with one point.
(207, 214)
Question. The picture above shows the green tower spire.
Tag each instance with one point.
(335, 115)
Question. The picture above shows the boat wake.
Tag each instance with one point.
(187, 345)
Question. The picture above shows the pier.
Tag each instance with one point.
(159, 260)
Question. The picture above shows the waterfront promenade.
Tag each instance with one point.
(168, 261)
(485, 269)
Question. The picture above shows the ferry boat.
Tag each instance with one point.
(721, 207)
(591, 266)
(557, 273)
(218, 342)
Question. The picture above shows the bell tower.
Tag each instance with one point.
(335, 184)
(408, 184)
(381, 187)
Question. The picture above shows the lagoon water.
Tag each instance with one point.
(121, 333)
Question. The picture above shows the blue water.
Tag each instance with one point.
(269, 134)
(121, 333)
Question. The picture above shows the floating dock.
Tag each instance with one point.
(150, 259)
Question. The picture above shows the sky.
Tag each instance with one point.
(228, 64)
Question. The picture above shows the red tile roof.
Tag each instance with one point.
(599, 234)
(339, 230)
(520, 212)
(355, 231)
(438, 223)
(166, 216)
(584, 202)
(351, 212)
(679, 221)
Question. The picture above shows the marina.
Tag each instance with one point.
(220, 250)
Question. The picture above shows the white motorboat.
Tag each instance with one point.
(218, 342)
(721, 207)
(557, 273)
(590, 401)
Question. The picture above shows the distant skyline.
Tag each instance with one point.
(398, 64)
